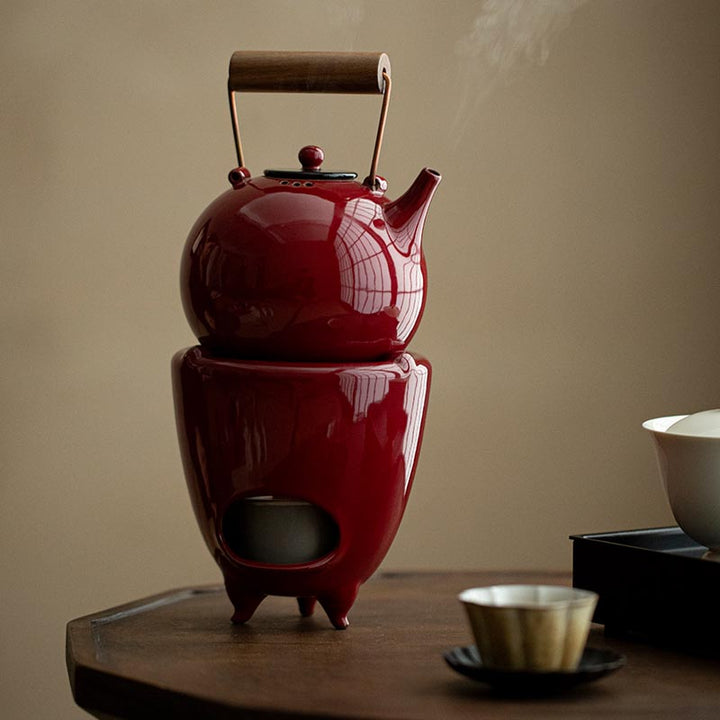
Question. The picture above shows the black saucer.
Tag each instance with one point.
(594, 664)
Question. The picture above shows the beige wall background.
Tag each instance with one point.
(573, 252)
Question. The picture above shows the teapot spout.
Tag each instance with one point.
(406, 215)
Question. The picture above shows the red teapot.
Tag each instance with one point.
(308, 264)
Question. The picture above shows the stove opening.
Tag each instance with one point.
(278, 530)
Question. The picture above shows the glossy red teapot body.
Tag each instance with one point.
(307, 265)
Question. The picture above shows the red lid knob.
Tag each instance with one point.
(311, 157)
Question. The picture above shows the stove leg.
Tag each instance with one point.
(306, 605)
(337, 605)
(245, 604)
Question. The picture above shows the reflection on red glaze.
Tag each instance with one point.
(344, 437)
(307, 270)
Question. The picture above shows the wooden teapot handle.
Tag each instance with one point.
(310, 72)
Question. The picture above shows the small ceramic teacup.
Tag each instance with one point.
(538, 628)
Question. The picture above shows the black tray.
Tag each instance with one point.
(656, 584)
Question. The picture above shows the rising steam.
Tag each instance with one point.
(507, 37)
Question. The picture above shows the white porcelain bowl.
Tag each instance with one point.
(690, 470)
(541, 628)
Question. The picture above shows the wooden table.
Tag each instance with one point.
(176, 655)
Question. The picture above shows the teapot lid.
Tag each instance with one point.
(311, 158)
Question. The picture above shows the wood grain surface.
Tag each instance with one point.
(310, 72)
(176, 655)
